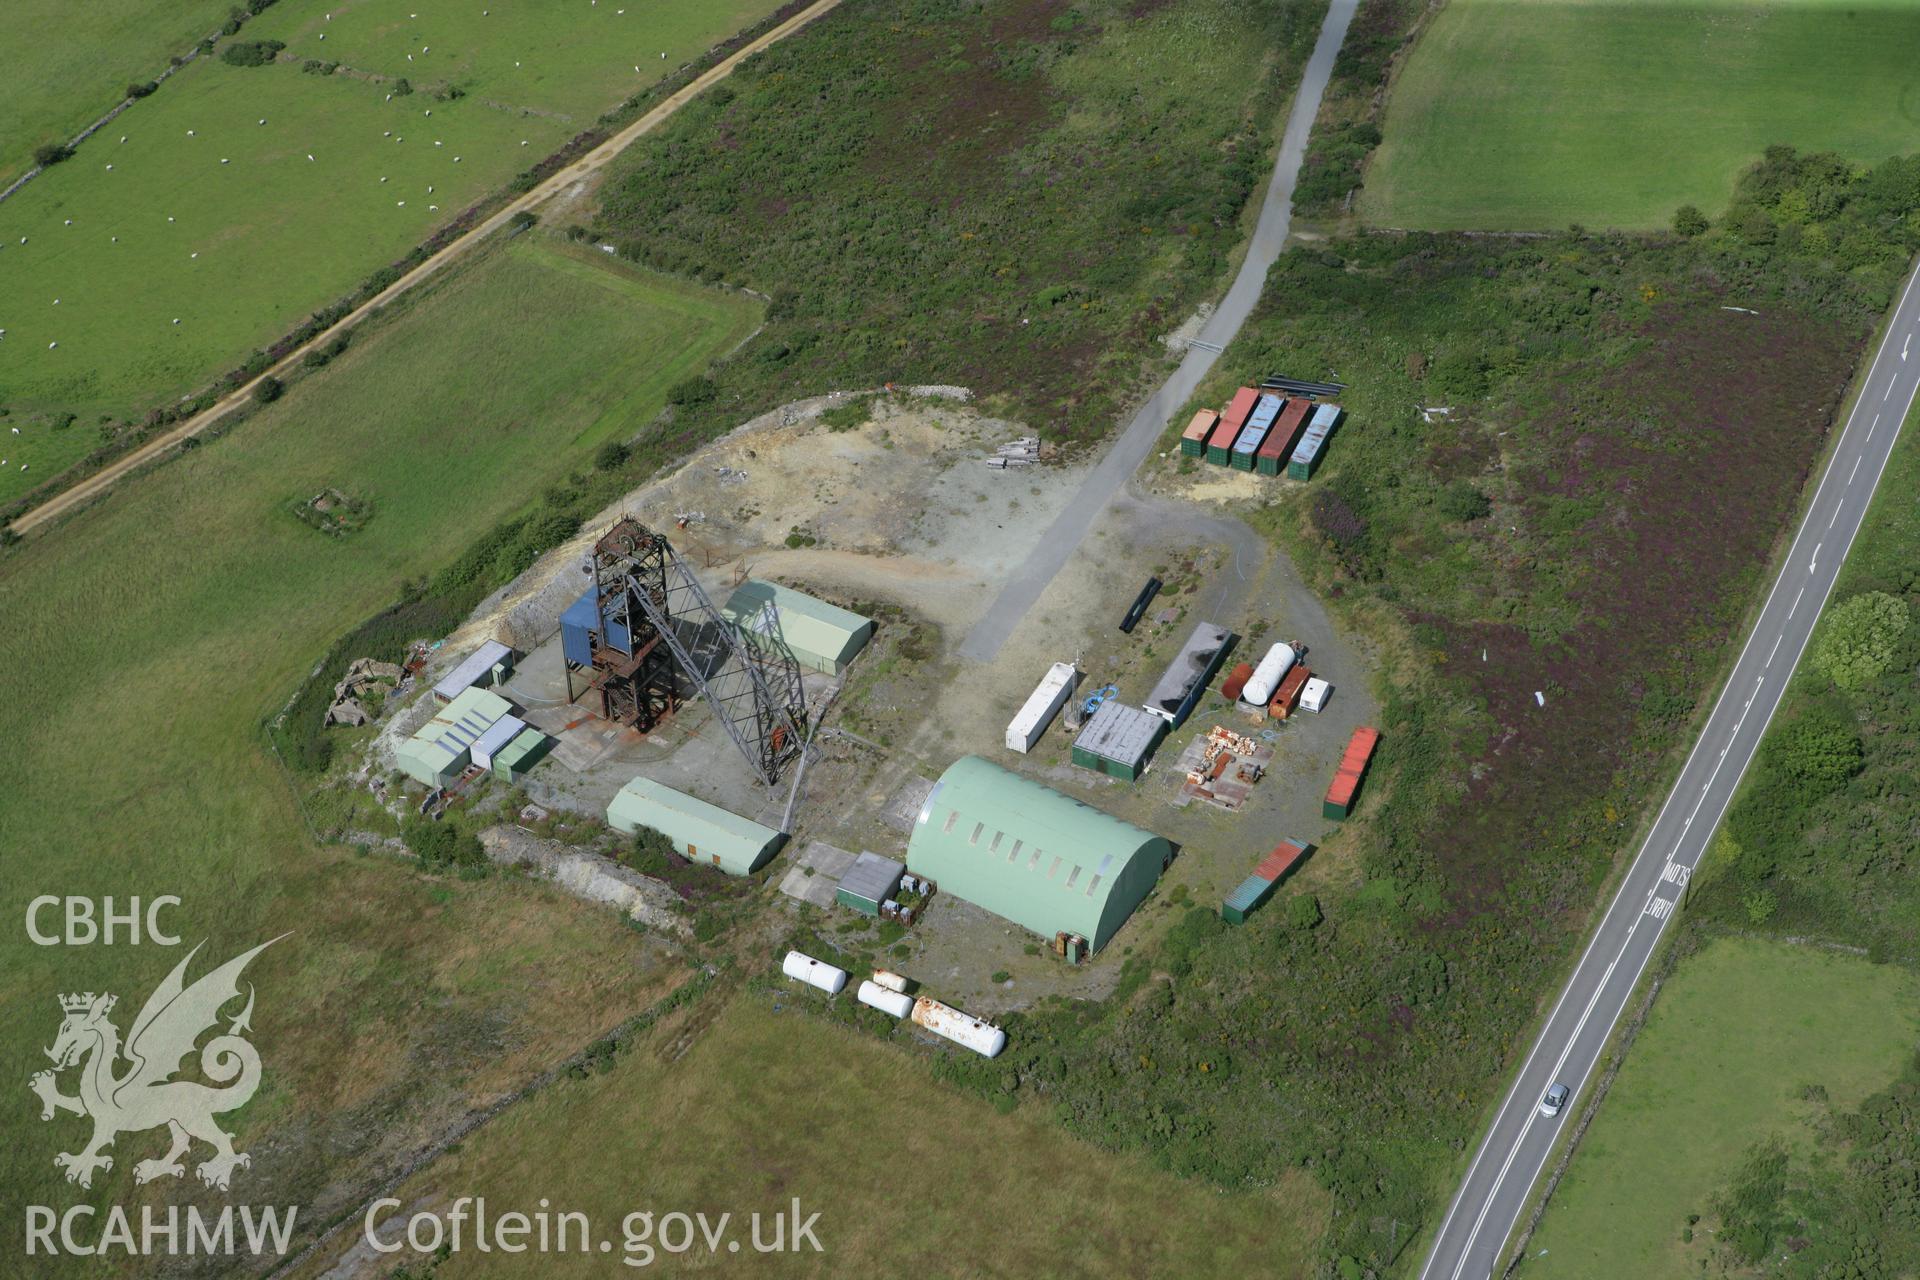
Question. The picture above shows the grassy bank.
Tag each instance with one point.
(1543, 113)
(1016, 197)
(150, 638)
(771, 1105)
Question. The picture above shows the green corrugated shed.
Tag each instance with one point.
(702, 832)
(823, 637)
(439, 751)
(514, 761)
(1031, 855)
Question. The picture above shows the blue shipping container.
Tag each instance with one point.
(1265, 411)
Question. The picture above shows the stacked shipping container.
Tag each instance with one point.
(1346, 782)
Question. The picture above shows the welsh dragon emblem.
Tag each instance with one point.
(144, 1095)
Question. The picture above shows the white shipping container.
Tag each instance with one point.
(1041, 706)
(815, 973)
(945, 1020)
(1266, 677)
(1313, 694)
(872, 993)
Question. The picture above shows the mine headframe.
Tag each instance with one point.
(656, 621)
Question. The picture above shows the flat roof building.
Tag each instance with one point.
(821, 636)
(487, 665)
(1188, 675)
(700, 832)
(870, 881)
(1025, 852)
(1118, 740)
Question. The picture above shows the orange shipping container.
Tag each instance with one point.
(1287, 696)
(1281, 860)
(1201, 426)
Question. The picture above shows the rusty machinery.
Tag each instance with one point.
(660, 638)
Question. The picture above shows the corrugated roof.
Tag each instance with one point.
(718, 837)
(444, 742)
(1120, 732)
(1043, 860)
(827, 634)
(872, 877)
(472, 668)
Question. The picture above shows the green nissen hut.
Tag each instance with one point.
(442, 748)
(700, 832)
(1031, 855)
(822, 637)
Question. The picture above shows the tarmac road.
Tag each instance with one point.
(1517, 1145)
(1063, 536)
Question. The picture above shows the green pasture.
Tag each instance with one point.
(63, 65)
(1613, 113)
(149, 638)
(568, 60)
(1740, 1032)
(277, 234)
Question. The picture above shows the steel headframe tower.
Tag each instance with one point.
(649, 598)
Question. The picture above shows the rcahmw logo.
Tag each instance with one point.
(142, 1094)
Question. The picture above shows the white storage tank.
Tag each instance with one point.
(815, 973)
(890, 980)
(1041, 706)
(1266, 677)
(872, 993)
(945, 1020)
(1314, 693)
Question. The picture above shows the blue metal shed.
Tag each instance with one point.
(577, 626)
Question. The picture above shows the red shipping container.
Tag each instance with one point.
(1280, 861)
(1287, 696)
(1352, 765)
(1236, 681)
(1286, 431)
(1240, 408)
(1223, 436)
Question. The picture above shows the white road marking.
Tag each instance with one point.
(1905, 345)
(1796, 602)
(1540, 1042)
(1872, 425)
(1776, 648)
(1854, 472)
(1833, 517)
(1814, 563)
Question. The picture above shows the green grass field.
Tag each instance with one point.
(63, 65)
(148, 639)
(212, 219)
(1739, 1032)
(1613, 113)
(772, 1106)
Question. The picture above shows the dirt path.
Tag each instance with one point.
(578, 171)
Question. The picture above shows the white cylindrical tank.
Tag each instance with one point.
(1266, 677)
(945, 1020)
(815, 973)
(884, 1000)
(890, 980)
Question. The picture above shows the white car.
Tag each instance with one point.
(1555, 1099)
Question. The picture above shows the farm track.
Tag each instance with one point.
(585, 167)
